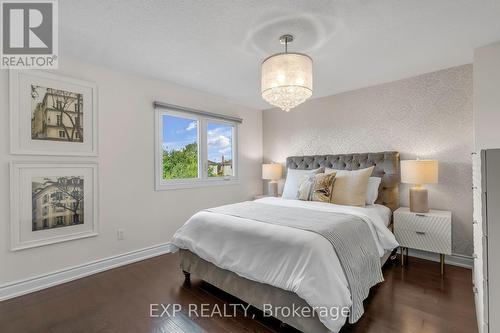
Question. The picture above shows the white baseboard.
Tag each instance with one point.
(26, 286)
(454, 259)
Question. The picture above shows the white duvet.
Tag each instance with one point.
(288, 258)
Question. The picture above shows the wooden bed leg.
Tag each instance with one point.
(187, 279)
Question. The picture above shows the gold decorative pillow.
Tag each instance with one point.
(322, 188)
(350, 186)
(317, 187)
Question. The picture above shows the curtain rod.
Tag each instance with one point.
(196, 112)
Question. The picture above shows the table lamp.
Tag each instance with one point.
(419, 172)
(272, 172)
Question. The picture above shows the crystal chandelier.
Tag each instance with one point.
(286, 78)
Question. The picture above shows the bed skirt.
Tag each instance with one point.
(252, 292)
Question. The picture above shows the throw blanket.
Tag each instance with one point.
(349, 235)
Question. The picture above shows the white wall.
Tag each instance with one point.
(429, 116)
(487, 97)
(126, 155)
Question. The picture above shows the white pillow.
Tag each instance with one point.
(292, 182)
(372, 190)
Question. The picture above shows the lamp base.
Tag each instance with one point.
(272, 188)
(419, 200)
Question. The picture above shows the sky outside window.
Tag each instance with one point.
(178, 132)
(220, 142)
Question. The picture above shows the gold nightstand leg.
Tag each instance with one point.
(441, 257)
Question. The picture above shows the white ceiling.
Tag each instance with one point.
(217, 45)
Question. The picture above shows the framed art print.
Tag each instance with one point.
(52, 203)
(52, 114)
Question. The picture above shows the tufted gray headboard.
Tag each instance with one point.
(386, 166)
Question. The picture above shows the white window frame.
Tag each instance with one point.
(202, 180)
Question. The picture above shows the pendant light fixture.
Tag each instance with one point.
(287, 79)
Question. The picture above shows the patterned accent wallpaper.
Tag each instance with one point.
(428, 116)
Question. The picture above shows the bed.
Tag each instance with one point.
(289, 267)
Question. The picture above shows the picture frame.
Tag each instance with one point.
(52, 203)
(52, 114)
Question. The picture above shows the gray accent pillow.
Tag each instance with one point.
(293, 178)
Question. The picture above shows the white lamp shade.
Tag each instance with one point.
(287, 80)
(271, 171)
(419, 172)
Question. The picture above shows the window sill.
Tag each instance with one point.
(176, 185)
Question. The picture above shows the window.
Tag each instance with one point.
(62, 134)
(180, 147)
(194, 149)
(220, 149)
(60, 220)
(57, 196)
(58, 120)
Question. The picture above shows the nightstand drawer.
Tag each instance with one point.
(427, 231)
(422, 240)
(429, 224)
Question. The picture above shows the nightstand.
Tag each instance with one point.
(423, 231)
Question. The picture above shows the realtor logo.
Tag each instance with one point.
(29, 34)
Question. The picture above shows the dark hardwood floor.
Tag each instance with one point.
(414, 299)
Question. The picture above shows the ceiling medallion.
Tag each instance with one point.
(287, 78)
